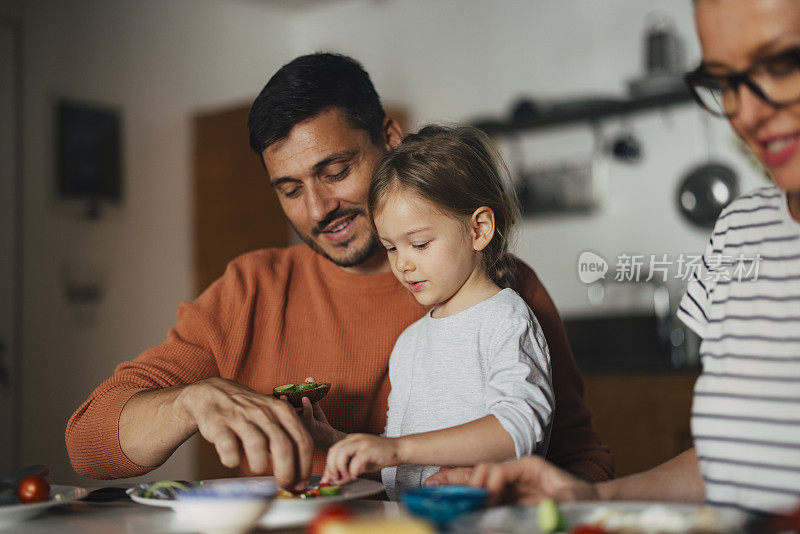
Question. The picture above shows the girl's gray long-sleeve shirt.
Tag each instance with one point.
(491, 358)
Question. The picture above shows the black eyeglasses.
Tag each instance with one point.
(774, 79)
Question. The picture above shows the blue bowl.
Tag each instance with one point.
(443, 503)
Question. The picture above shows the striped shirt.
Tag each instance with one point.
(744, 302)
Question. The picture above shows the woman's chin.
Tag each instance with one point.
(787, 178)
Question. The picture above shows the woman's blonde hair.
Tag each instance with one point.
(460, 170)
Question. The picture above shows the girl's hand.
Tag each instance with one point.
(315, 421)
(360, 453)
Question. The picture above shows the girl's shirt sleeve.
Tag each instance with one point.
(520, 391)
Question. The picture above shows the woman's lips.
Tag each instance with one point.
(340, 230)
(416, 286)
(778, 150)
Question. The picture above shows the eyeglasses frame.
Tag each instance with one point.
(735, 80)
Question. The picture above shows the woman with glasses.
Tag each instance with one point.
(746, 410)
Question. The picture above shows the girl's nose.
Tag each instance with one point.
(403, 264)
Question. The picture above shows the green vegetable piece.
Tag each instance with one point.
(549, 517)
(284, 388)
(163, 484)
(304, 387)
(330, 491)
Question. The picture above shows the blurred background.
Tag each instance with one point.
(126, 181)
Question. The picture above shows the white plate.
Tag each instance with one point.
(519, 519)
(288, 512)
(14, 513)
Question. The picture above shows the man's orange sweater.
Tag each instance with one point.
(280, 315)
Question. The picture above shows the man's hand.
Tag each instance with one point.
(360, 453)
(315, 421)
(527, 480)
(250, 428)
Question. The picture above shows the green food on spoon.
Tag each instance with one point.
(304, 387)
(283, 389)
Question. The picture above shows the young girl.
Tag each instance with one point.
(471, 379)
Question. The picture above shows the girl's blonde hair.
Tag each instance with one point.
(460, 170)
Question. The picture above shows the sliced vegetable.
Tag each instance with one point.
(329, 491)
(164, 489)
(284, 388)
(549, 517)
(304, 387)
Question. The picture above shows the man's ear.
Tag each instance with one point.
(481, 227)
(392, 133)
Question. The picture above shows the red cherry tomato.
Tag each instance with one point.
(588, 529)
(329, 514)
(33, 489)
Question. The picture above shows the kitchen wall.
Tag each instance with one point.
(160, 62)
(457, 60)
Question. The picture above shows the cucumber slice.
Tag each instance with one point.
(284, 388)
(330, 491)
(304, 387)
(549, 517)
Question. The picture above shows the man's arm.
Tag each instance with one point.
(574, 445)
(246, 428)
(137, 418)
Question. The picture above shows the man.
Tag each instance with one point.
(330, 309)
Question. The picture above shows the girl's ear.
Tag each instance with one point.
(481, 227)
(392, 133)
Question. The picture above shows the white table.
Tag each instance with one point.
(128, 517)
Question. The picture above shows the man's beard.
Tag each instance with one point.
(352, 258)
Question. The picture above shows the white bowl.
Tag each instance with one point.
(222, 516)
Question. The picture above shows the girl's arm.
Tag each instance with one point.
(482, 440)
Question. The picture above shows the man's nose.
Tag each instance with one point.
(320, 203)
(752, 108)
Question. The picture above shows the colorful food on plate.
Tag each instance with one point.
(322, 490)
(32, 489)
(308, 388)
(656, 518)
(612, 520)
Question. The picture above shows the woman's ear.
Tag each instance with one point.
(481, 227)
(392, 133)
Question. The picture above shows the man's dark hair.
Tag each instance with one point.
(308, 85)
